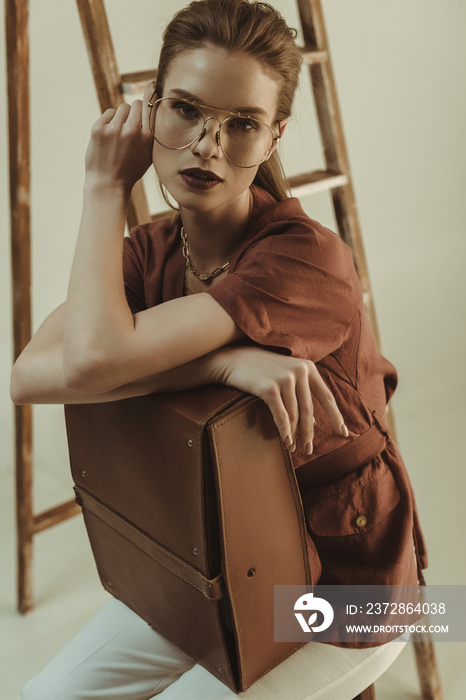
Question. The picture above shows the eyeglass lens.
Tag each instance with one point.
(245, 141)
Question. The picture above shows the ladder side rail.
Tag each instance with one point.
(331, 128)
(17, 45)
(108, 84)
(429, 678)
(27, 522)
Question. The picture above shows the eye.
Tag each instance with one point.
(186, 110)
(243, 123)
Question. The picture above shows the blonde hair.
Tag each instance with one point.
(254, 28)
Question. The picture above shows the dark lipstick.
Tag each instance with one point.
(199, 178)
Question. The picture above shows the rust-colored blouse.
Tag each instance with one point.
(292, 287)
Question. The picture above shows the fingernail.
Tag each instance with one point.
(293, 447)
(288, 441)
(344, 430)
(308, 448)
(313, 421)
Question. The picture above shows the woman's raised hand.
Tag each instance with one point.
(120, 147)
(287, 385)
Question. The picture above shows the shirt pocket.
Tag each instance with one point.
(354, 504)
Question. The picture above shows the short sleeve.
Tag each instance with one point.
(133, 270)
(296, 291)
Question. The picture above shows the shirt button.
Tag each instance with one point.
(361, 520)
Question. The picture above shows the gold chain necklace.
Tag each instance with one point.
(203, 276)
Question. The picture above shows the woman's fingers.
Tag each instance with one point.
(326, 399)
(273, 399)
(134, 118)
(126, 115)
(290, 404)
(135, 114)
(289, 386)
(121, 116)
(120, 150)
(111, 120)
(306, 411)
(104, 119)
(296, 408)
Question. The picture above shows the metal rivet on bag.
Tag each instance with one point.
(195, 550)
(251, 572)
(83, 473)
(189, 443)
(220, 670)
(361, 520)
(109, 583)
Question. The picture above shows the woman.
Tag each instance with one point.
(241, 288)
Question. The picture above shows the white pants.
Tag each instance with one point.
(118, 656)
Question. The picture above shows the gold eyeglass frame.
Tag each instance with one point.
(218, 138)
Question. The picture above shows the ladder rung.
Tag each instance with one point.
(55, 515)
(134, 83)
(311, 56)
(316, 181)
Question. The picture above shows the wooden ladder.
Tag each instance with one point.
(112, 87)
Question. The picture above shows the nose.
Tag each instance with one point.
(208, 143)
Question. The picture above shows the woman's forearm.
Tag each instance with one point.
(37, 376)
(98, 318)
(39, 380)
(97, 313)
(286, 384)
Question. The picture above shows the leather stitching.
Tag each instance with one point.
(126, 536)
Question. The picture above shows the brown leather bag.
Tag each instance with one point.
(194, 514)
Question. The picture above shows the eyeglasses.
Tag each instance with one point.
(177, 123)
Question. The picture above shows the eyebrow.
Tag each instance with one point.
(243, 110)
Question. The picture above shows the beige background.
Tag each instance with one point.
(398, 67)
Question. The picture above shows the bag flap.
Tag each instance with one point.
(263, 533)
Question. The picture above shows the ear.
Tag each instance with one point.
(150, 93)
(281, 125)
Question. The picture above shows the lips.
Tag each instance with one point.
(199, 178)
